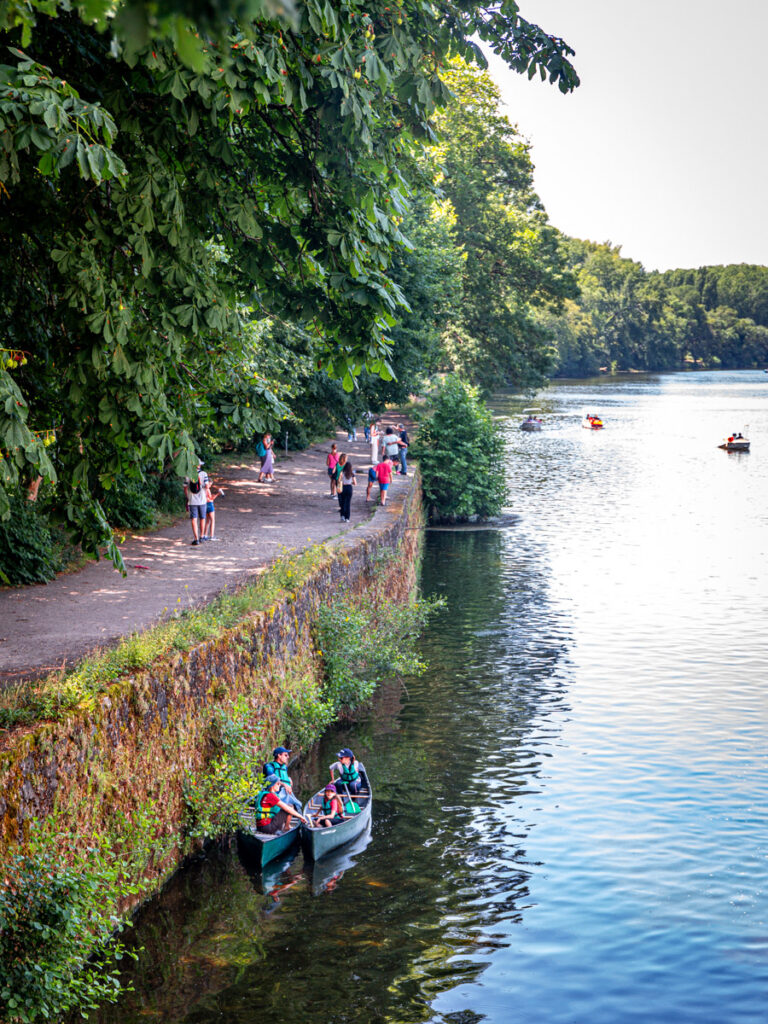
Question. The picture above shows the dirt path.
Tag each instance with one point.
(45, 626)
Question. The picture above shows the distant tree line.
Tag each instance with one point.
(626, 318)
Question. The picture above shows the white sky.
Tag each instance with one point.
(662, 149)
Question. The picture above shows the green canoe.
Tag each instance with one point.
(317, 841)
(260, 847)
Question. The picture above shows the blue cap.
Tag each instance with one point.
(346, 752)
(280, 750)
(271, 779)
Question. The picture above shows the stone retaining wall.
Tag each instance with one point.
(119, 767)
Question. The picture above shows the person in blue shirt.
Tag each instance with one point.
(278, 766)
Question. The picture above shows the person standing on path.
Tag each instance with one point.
(197, 502)
(374, 443)
(384, 476)
(337, 476)
(348, 481)
(403, 449)
(209, 523)
(331, 460)
(267, 465)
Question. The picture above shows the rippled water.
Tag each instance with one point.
(570, 807)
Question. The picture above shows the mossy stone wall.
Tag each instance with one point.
(118, 768)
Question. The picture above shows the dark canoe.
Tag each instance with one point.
(261, 848)
(317, 841)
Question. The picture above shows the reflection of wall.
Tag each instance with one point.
(129, 754)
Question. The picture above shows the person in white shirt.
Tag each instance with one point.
(197, 502)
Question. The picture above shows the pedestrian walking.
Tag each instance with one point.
(331, 461)
(374, 443)
(197, 502)
(348, 482)
(403, 453)
(268, 463)
(209, 524)
(337, 476)
(384, 476)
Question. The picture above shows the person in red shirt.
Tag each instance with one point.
(384, 476)
(272, 815)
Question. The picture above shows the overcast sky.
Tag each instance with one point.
(662, 149)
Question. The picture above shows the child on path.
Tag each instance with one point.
(209, 526)
(371, 482)
(331, 460)
(384, 476)
(348, 481)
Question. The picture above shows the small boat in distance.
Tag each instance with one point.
(735, 443)
(318, 841)
(591, 422)
(531, 422)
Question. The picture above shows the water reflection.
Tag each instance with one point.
(410, 907)
(569, 813)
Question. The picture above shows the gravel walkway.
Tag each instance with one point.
(43, 627)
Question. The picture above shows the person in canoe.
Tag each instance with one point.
(331, 809)
(348, 769)
(278, 766)
(272, 814)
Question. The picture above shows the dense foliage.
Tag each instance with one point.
(626, 318)
(164, 185)
(57, 951)
(461, 455)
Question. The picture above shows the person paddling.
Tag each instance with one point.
(348, 769)
(279, 766)
(272, 815)
(331, 809)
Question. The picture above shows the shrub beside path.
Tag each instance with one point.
(45, 626)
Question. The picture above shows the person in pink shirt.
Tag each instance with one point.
(331, 461)
(384, 476)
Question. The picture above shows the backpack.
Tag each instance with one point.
(194, 485)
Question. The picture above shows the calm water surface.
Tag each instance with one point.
(570, 807)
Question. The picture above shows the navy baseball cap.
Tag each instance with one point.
(346, 752)
(280, 750)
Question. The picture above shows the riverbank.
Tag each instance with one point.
(49, 626)
(134, 777)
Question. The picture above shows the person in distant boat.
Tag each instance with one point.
(279, 766)
(272, 814)
(348, 769)
(331, 809)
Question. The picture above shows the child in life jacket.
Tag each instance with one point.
(349, 771)
(331, 809)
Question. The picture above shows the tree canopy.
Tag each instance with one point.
(172, 174)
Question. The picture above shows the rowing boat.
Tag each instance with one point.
(260, 847)
(318, 841)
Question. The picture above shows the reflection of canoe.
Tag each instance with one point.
(272, 873)
(327, 872)
(318, 841)
(261, 848)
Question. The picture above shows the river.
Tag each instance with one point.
(570, 806)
